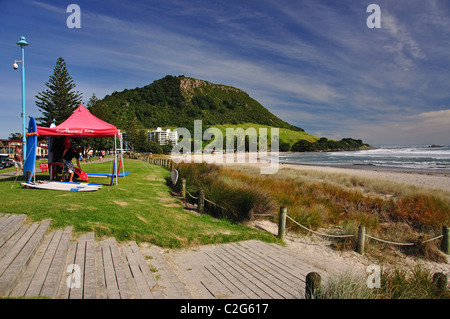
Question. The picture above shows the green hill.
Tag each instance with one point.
(178, 101)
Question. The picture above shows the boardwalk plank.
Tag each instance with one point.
(268, 275)
(112, 287)
(89, 291)
(21, 288)
(101, 290)
(143, 267)
(8, 258)
(218, 276)
(122, 282)
(12, 241)
(64, 289)
(136, 278)
(174, 289)
(248, 288)
(3, 219)
(16, 267)
(279, 259)
(132, 280)
(56, 270)
(76, 292)
(10, 227)
(41, 272)
(250, 273)
(287, 280)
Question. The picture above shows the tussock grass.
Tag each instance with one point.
(316, 199)
(396, 283)
(234, 200)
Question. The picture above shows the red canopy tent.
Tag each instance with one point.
(83, 124)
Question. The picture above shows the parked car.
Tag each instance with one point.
(5, 161)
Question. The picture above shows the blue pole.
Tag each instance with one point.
(24, 138)
(23, 43)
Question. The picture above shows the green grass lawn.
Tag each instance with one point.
(140, 208)
(286, 135)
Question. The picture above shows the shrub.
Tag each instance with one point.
(230, 200)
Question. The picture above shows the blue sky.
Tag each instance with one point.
(313, 63)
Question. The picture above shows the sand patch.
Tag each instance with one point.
(142, 219)
(172, 205)
(166, 200)
(120, 203)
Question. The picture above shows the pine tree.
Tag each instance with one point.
(60, 100)
(92, 101)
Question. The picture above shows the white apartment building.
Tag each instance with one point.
(163, 137)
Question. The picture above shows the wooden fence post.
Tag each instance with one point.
(440, 283)
(361, 238)
(282, 223)
(183, 188)
(201, 201)
(445, 244)
(313, 282)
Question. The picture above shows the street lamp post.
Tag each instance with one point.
(23, 43)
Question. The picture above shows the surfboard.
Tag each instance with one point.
(174, 176)
(61, 186)
(106, 174)
(30, 158)
(99, 185)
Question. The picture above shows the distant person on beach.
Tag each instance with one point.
(69, 154)
(18, 160)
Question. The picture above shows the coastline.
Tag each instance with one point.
(430, 180)
(419, 178)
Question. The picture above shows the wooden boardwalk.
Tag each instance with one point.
(245, 270)
(36, 262)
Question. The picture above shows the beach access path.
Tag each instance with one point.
(36, 262)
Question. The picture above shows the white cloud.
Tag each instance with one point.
(404, 46)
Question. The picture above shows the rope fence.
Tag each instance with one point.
(318, 233)
(360, 236)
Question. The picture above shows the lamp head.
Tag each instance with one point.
(15, 66)
(22, 42)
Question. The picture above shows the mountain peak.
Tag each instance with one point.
(188, 86)
(176, 101)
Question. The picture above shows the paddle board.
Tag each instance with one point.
(106, 174)
(30, 158)
(174, 176)
(58, 186)
(99, 185)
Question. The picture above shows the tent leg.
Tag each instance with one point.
(115, 159)
(121, 154)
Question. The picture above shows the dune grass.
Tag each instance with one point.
(336, 203)
(395, 283)
(140, 208)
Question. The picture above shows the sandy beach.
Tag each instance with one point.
(429, 180)
(317, 250)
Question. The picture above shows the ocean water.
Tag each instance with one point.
(411, 158)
